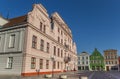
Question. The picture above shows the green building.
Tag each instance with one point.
(96, 61)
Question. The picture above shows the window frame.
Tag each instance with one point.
(9, 63)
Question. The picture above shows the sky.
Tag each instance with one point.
(94, 23)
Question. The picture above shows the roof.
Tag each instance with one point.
(83, 53)
(96, 53)
(16, 21)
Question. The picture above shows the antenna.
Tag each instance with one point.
(1, 14)
(8, 15)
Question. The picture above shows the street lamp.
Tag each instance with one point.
(52, 59)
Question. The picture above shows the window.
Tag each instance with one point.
(61, 41)
(54, 50)
(48, 47)
(54, 65)
(106, 62)
(42, 45)
(34, 41)
(40, 26)
(61, 53)
(83, 58)
(61, 33)
(115, 62)
(58, 65)
(82, 62)
(106, 57)
(12, 41)
(58, 52)
(86, 62)
(58, 30)
(86, 57)
(9, 62)
(58, 39)
(47, 64)
(44, 29)
(33, 62)
(41, 63)
(0, 40)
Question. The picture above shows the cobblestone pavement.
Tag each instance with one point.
(70, 75)
(73, 75)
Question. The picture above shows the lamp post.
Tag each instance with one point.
(52, 59)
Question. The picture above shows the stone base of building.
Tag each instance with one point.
(38, 73)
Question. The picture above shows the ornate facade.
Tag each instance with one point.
(36, 44)
(97, 61)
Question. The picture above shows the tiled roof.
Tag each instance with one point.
(16, 21)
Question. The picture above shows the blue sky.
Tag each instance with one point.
(94, 23)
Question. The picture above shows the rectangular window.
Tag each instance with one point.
(58, 39)
(40, 26)
(54, 50)
(86, 57)
(106, 62)
(47, 64)
(78, 62)
(58, 65)
(41, 63)
(0, 40)
(48, 47)
(61, 53)
(58, 30)
(54, 65)
(33, 62)
(44, 29)
(12, 41)
(115, 62)
(42, 45)
(83, 58)
(61, 41)
(34, 41)
(61, 33)
(9, 62)
(58, 52)
(82, 62)
(86, 62)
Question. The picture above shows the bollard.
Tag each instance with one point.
(84, 77)
(63, 76)
(48, 75)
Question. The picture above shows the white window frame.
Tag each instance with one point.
(12, 41)
(9, 63)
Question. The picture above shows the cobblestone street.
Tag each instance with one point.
(73, 75)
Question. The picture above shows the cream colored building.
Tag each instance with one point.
(111, 60)
(36, 43)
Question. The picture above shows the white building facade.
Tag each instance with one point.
(35, 43)
(83, 61)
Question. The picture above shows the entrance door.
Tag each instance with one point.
(107, 68)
